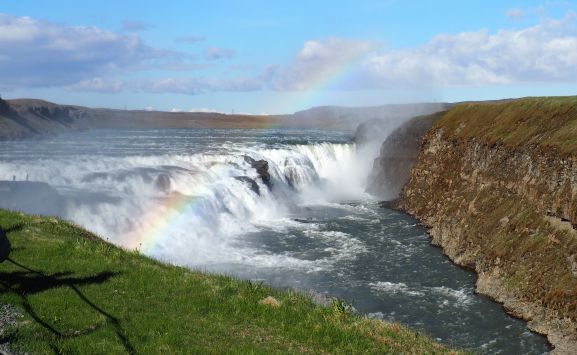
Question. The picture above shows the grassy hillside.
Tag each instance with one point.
(549, 122)
(79, 294)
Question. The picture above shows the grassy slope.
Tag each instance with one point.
(79, 294)
(549, 122)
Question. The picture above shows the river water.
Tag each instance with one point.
(193, 197)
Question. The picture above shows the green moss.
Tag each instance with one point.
(79, 294)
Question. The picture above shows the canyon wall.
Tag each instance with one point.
(398, 154)
(496, 184)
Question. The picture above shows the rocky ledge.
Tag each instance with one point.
(497, 187)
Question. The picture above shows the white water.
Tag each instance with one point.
(118, 197)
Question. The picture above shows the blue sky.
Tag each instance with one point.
(278, 57)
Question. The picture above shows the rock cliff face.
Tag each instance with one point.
(398, 154)
(497, 186)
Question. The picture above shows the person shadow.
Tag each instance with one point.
(27, 281)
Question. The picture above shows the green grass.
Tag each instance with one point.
(548, 122)
(79, 294)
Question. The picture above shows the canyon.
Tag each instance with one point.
(495, 184)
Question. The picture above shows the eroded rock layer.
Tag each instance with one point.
(497, 186)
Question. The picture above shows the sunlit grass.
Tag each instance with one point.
(79, 294)
(548, 122)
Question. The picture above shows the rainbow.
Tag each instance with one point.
(169, 212)
(318, 83)
(159, 222)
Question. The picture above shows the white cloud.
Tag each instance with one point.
(97, 84)
(543, 53)
(317, 61)
(198, 85)
(546, 52)
(35, 53)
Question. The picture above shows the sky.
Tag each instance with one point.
(256, 56)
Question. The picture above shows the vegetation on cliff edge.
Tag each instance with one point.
(549, 122)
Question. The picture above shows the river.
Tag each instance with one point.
(193, 197)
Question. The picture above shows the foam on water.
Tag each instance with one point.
(197, 219)
(395, 288)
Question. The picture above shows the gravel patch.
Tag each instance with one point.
(9, 316)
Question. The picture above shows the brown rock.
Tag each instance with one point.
(270, 301)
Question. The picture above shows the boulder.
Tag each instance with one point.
(390, 204)
(250, 183)
(261, 167)
(270, 301)
(5, 247)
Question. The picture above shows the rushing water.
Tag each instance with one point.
(191, 197)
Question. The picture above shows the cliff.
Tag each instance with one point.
(496, 184)
(398, 154)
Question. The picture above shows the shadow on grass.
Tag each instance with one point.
(29, 281)
(14, 228)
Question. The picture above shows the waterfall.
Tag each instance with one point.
(192, 208)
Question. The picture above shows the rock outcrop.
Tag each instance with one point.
(261, 167)
(250, 183)
(398, 154)
(497, 186)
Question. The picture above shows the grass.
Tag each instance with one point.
(79, 294)
(548, 122)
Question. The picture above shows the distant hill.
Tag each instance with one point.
(28, 117)
(21, 118)
(24, 118)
